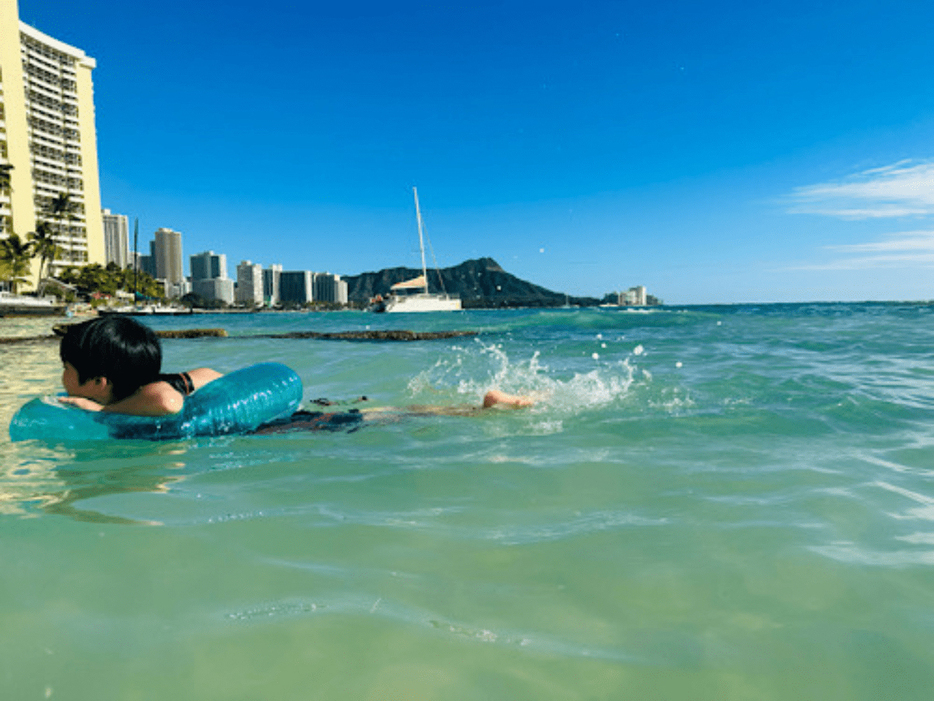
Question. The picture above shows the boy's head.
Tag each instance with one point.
(117, 348)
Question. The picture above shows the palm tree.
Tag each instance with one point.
(15, 255)
(61, 208)
(44, 246)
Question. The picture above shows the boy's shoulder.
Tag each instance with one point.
(153, 399)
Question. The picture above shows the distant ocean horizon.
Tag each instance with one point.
(721, 501)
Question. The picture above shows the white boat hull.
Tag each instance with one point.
(15, 305)
(422, 302)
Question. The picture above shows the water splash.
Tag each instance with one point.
(471, 371)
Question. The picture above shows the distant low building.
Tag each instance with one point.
(215, 289)
(177, 290)
(209, 277)
(330, 288)
(633, 297)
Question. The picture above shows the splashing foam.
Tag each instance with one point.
(472, 371)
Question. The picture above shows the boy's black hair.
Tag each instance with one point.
(117, 347)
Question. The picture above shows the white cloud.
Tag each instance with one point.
(898, 190)
(906, 241)
(872, 262)
(902, 249)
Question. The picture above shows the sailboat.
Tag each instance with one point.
(402, 298)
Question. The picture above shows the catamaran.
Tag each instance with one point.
(402, 299)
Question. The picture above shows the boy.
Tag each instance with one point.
(113, 363)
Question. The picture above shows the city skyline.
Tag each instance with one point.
(209, 279)
(710, 152)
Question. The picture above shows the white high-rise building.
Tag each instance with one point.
(249, 283)
(48, 142)
(167, 250)
(116, 238)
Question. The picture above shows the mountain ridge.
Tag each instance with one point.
(481, 283)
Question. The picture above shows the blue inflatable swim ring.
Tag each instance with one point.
(238, 402)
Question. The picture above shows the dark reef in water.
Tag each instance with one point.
(373, 335)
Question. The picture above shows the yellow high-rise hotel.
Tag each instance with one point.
(47, 135)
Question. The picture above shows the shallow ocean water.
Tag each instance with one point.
(705, 503)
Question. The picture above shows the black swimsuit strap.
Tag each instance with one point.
(180, 382)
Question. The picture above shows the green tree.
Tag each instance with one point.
(15, 255)
(107, 280)
(148, 286)
(89, 278)
(95, 278)
(44, 246)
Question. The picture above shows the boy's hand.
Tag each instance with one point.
(81, 403)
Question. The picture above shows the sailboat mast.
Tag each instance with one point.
(421, 240)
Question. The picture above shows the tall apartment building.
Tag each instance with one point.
(271, 284)
(116, 238)
(48, 142)
(249, 283)
(167, 252)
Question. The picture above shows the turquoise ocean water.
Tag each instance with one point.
(705, 503)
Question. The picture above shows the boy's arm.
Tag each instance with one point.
(160, 398)
(81, 403)
(154, 399)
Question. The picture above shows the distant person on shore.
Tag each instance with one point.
(114, 363)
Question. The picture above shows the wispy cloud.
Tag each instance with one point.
(902, 249)
(905, 241)
(898, 190)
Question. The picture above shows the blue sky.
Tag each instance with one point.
(712, 151)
